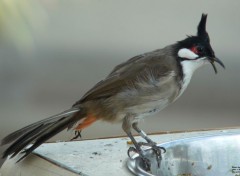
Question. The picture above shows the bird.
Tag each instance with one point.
(134, 90)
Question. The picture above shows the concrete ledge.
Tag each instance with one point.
(33, 165)
(99, 157)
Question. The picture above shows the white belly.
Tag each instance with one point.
(149, 108)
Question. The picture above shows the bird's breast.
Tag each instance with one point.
(147, 99)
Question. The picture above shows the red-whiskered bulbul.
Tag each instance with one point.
(135, 89)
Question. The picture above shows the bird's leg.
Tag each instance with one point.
(127, 125)
(142, 133)
(150, 143)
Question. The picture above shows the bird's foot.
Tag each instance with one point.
(146, 162)
(156, 149)
(77, 135)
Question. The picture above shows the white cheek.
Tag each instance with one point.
(186, 53)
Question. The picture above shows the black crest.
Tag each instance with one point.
(201, 37)
(202, 28)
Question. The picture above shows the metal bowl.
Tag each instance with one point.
(215, 155)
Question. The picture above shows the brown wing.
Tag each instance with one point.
(127, 72)
(115, 81)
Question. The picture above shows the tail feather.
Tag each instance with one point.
(45, 136)
(39, 132)
(23, 141)
(15, 135)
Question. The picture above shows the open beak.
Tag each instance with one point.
(215, 59)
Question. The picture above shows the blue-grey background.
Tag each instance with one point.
(52, 52)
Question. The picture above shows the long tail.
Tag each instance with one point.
(37, 133)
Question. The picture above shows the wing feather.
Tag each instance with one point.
(128, 72)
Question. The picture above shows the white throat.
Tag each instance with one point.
(189, 67)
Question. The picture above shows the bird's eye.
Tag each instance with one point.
(200, 49)
(197, 49)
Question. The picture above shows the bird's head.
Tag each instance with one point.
(197, 49)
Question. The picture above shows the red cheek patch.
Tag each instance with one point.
(194, 49)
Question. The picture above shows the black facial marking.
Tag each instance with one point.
(199, 44)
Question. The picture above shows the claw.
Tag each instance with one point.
(156, 149)
(164, 150)
(146, 162)
(131, 149)
(158, 156)
(77, 135)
